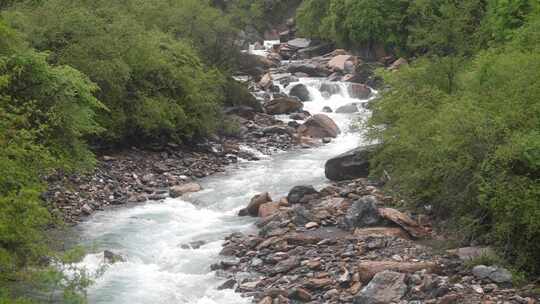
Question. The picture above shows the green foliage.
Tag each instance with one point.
(310, 15)
(144, 59)
(470, 150)
(353, 23)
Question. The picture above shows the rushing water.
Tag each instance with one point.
(158, 269)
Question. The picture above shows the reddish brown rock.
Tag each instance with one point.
(319, 126)
(268, 209)
(403, 220)
(253, 208)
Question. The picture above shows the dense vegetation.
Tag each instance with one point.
(460, 126)
(76, 74)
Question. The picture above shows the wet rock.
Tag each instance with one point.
(385, 287)
(253, 208)
(301, 194)
(319, 126)
(348, 109)
(360, 91)
(180, 190)
(112, 258)
(363, 213)
(495, 274)
(283, 106)
(300, 91)
(349, 165)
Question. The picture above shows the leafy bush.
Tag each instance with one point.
(472, 152)
(155, 86)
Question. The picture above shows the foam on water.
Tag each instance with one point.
(158, 269)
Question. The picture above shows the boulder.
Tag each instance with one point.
(253, 208)
(309, 69)
(300, 91)
(349, 165)
(319, 126)
(348, 109)
(363, 213)
(180, 190)
(368, 269)
(327, 109)
(343, 63)
(386, 287)
(301, 194)
(359, 91)
(283, 106)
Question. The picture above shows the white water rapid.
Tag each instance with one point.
(158, 270)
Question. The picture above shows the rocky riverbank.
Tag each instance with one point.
(136, 176)
(346, 244)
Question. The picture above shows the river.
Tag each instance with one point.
(158, 269)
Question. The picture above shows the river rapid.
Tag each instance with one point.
(157, 268)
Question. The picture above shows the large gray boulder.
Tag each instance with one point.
(385, 287)
(349, 165)
(300, 91)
